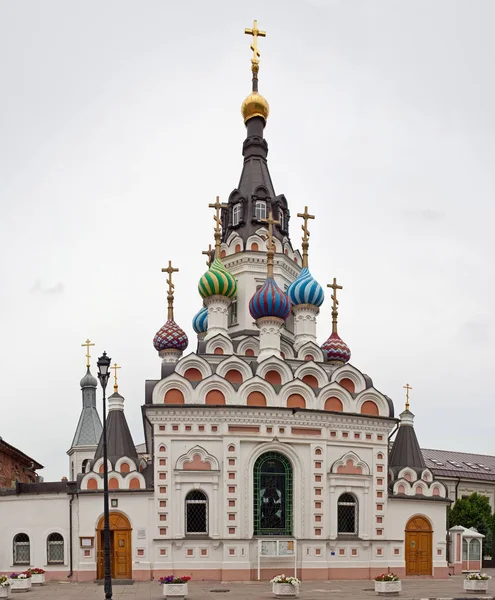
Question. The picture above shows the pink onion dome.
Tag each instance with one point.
(336, 349)
(170, 337)
(270, 301)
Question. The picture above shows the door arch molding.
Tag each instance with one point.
(120, 546)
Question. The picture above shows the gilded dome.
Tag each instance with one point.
(217, 281)
(255, 105)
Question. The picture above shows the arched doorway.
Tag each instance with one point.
(120, 547)
(419, 536)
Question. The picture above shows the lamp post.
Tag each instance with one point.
(103, 375)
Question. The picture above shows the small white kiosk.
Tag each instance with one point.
(465, 549)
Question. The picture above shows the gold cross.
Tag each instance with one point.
(305, 241)
(270, 246)
(407, 387)
(115, 386)
(218, 223)
(171, 286)
(87, 344)
(208, 254)
(335, 305)
(255, 32)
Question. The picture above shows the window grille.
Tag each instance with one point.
(22, 550)
(55, 548)
(272, 495)
(260, 210)
(236, 214)
(196, 513)
(347, 515)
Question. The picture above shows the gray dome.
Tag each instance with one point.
(89, 381)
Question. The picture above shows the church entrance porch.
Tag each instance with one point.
(120, 547)
(419, 537)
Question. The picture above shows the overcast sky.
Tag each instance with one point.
(120, 122)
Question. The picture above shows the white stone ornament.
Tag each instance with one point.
(285, 590)
(388, 588)
(21, 585)
(476, 585)
(175, 590)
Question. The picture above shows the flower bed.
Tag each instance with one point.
(5, 588)
(173, 586)
(37, 576)
(388, 584)
(20, 582)
(285, 587)
(476, 583)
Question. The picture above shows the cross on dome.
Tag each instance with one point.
(87, 344)
(270, 246)
(218, 224)
(335, 312)
(170, 296)
(115, 384)
(407, 387)
(208, 254)
(255, 32)
(305, 240)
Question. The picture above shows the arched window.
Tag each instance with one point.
(196, 513)
(281, 218)
(260, 210)
(272, 495)
(55, 549)
(22, 551)
(85, 464)
(347, 522)
(236, 214)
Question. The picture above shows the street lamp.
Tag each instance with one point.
(103, 375)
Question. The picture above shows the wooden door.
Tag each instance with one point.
(418, 539)
(121, 563)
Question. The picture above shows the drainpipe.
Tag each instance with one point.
(71, 572)
(457, 487)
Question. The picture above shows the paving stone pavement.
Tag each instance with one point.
(412, 589)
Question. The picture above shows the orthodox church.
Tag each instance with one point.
(264, 451)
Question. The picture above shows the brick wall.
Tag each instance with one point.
(14, 469)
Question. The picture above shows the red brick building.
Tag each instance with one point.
(16, 466)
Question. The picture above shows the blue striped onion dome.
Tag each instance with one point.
(270, 301)
(217, 281)
(336, 349)
(305, 289)
(170, 337)
(200, 321)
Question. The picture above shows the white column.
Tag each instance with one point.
(218, 315)
(304, 324)
(270, 328)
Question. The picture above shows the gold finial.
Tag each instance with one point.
(87, 344)
(115, 384)
(305, 240)
(270, 246)
(407, 387)
(255, 60)
(171, 286)
(335, 310)
(208, 254)
(218, 224)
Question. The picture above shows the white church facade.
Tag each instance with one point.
(264, 451)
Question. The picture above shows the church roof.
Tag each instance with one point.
(406, 451)
(119, 438)
(448, 463)
(88, 430)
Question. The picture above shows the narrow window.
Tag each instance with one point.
(233, 313)
(260, 210)
(272, 495)
(55, 549)
(347, 515)
(236, 214)
(196, 513)
(85, 464)
(22, 551)
(281, 218)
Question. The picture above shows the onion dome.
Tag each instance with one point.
(88, 380)
(255, 105)
(200, 321)
(170, 337)
(217, 281)
(270, 301)
(336, 349)
(305, 290)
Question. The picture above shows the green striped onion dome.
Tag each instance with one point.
(217, 281)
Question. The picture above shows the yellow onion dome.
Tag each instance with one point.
(255, 105)
(217, 281)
